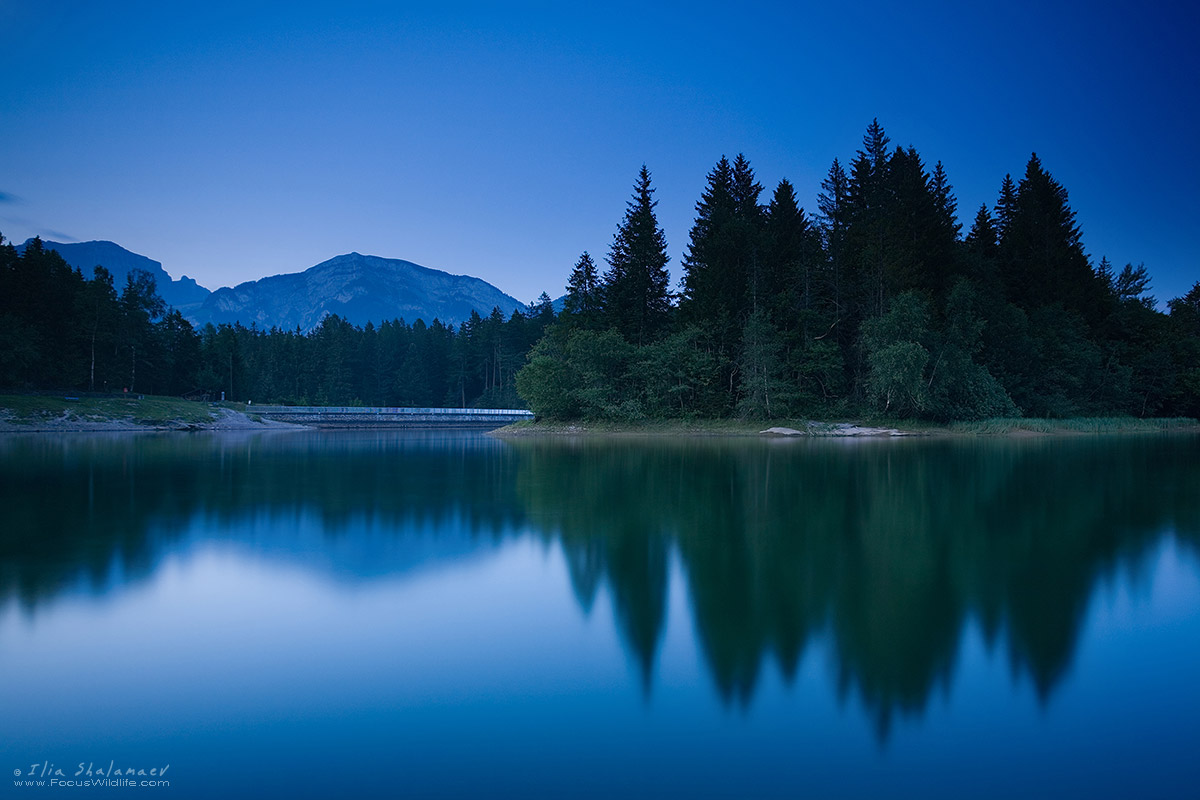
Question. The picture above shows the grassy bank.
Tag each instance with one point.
(35, 411)
(1084, 425)
(740, 427)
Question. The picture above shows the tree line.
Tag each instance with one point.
(875, 303)
(59, 330)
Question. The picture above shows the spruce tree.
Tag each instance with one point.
(833, 204)
(867, 232)
(636, 300)
(982, 238)
(1042, 255)
(982, 247)
(700, 275)
(582, 303)
(944, 203)
(787, 273)
(1006, 206)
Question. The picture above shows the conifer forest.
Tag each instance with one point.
(870, 300)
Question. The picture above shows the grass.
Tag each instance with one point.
(741, 427)
(1005, 426)
(661, 427)
(149, 411)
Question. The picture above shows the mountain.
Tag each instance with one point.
(357, 288)
(184, 294)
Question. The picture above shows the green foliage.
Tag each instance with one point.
(678, 375)
(896, 358)
(575, 373)
(766, 392)
(959, 387)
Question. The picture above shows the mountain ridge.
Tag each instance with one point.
(359, 288)
(184, 293)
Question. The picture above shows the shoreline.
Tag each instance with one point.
(224, 419)
(46, 414)
(817, 429)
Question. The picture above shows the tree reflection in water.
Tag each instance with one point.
(885, 550)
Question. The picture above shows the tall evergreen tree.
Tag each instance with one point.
(944, 203)
(789, 266)
(982, 247)
(723, 265)
(582, 302)
(1006, 206)
(141, 306)
(636, 299)
(833, 204)
(98, 312)
(982, 238)
(1042, 255)
(867, 238)
(945, 232)
(701, 273)
(747, 235)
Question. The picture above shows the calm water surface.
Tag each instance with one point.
(418, 614)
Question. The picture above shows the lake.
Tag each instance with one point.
(441, 614)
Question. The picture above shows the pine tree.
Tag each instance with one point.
(721, 268)
(944, 203)
(942, 233)
(714, 210)
(1104, 271)
(788, 268)
(906, 216)
(982, 248)
(946, 228)
(97, 312)
(636, 301)
(746, 190)
(1042, 255)
(833, 204)
(982, 238)
(747, 235)
(140, 307)
(1006, 206)
(582, 302)
(867, 231)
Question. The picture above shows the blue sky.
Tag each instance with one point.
(499, 140)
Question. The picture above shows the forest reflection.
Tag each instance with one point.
(887, 548)
(884, 550)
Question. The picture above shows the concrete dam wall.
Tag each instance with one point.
(378, 417)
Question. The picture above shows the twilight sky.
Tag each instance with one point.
(235, 141)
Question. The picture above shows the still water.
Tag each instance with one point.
(394, 614)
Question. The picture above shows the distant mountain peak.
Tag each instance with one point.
(360, 289)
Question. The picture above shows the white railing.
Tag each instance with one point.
(356, 410)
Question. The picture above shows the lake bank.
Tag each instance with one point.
(59, 414)
(65, 414)
(853, 428)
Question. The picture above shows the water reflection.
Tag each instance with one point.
(885, 551)
(889, 548)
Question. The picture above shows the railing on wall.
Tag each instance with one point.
(364, 416)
